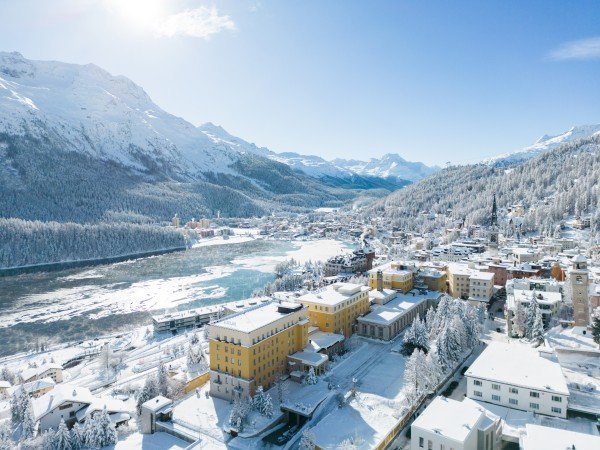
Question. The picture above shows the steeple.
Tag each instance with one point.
(494, 221)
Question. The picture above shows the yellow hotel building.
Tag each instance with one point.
(250, 348)
(335, 308)
(394, 277)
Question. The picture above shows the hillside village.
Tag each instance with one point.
(460, 339)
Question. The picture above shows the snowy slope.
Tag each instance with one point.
(544, 144)
(106, 116)
(389, 165)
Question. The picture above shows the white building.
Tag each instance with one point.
(548, 294)
(519, 377)
(537, 437)
(50, 370)
(448, 424)
(73, 403)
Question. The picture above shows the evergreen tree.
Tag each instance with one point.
(28, 424)
(415, 383)
(262, 402)
(531, 313)
(77, 437)
(106, 433)
(537, 330)
(596, 327)
(162, 380)
(519, 320)
(311, 377)
(148, 391)
(62, 438)
(429, 319)
(6, 442)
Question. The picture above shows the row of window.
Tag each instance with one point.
(515, 402)
(514, 390)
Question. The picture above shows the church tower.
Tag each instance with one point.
(494, 225)
(578, 283)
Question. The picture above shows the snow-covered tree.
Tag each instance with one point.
(107, 433)
(18, 404)
(77, 437)
(414, 381)
(430, 319)
(519, 320)
(596, 326)
(62, 439)
(415, 337)
(148, 391)
(239, 413)
(432, 370)
(28, 424)
(162, 380)
(6, 442)
(307, 440)
(537, 330)
(311, 377)
(262, 402)
(530, 315)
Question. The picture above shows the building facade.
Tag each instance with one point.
(578, 282)
(251, 348)
(336, 308)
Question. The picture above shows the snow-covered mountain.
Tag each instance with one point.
(77, 143)
(544, 144)
(389, 166)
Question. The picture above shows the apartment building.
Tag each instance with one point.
(336, 308)
(470, 284)
(49, 370)
(448, 424)
(519, 377)
(395, 275)
(251, 348)
(548, 295)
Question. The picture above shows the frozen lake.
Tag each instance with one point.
(82, 303)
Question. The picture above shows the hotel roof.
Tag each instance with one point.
(256, 317)
(449, 418)
(519, 365)
(334, 294)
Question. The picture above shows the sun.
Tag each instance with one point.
(140, 14)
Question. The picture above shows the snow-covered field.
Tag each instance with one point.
(305, 251)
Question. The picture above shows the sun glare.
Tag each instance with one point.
(141, 14)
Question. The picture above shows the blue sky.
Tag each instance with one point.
(435, 81)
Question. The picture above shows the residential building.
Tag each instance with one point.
(157, 408)
(356, 262)
(519, 377)
(387, 320)
(470, 284)
(73, 404)
(548, 294)
(537, 437)
(49, 370)
(448, 424)
(394, 275)
(335, 308)
(250, 348)
(36, 388)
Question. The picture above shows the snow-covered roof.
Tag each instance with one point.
(538, 437)
(321, 339)
(157, 403)
(579, 259)
(31, 372)
(36, 385)
(334, 294)
(385, 314)
(113, 406)
(253, 318)
(310, 358)
(519, 365)
(60, 394)
(450, 418)
(4, 384)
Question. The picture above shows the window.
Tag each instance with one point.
(429, 445)
(556, 410)
(534, 394)
(534, 405)
(556, 398)
(513, 401)
(421, 442)
(477, 393)
(496, 398)
(513, 390)
(477, 382)
(495, 387)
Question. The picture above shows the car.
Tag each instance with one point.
(499, 330)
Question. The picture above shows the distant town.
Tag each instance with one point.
(459, 339)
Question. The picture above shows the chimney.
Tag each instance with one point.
(379, 280)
